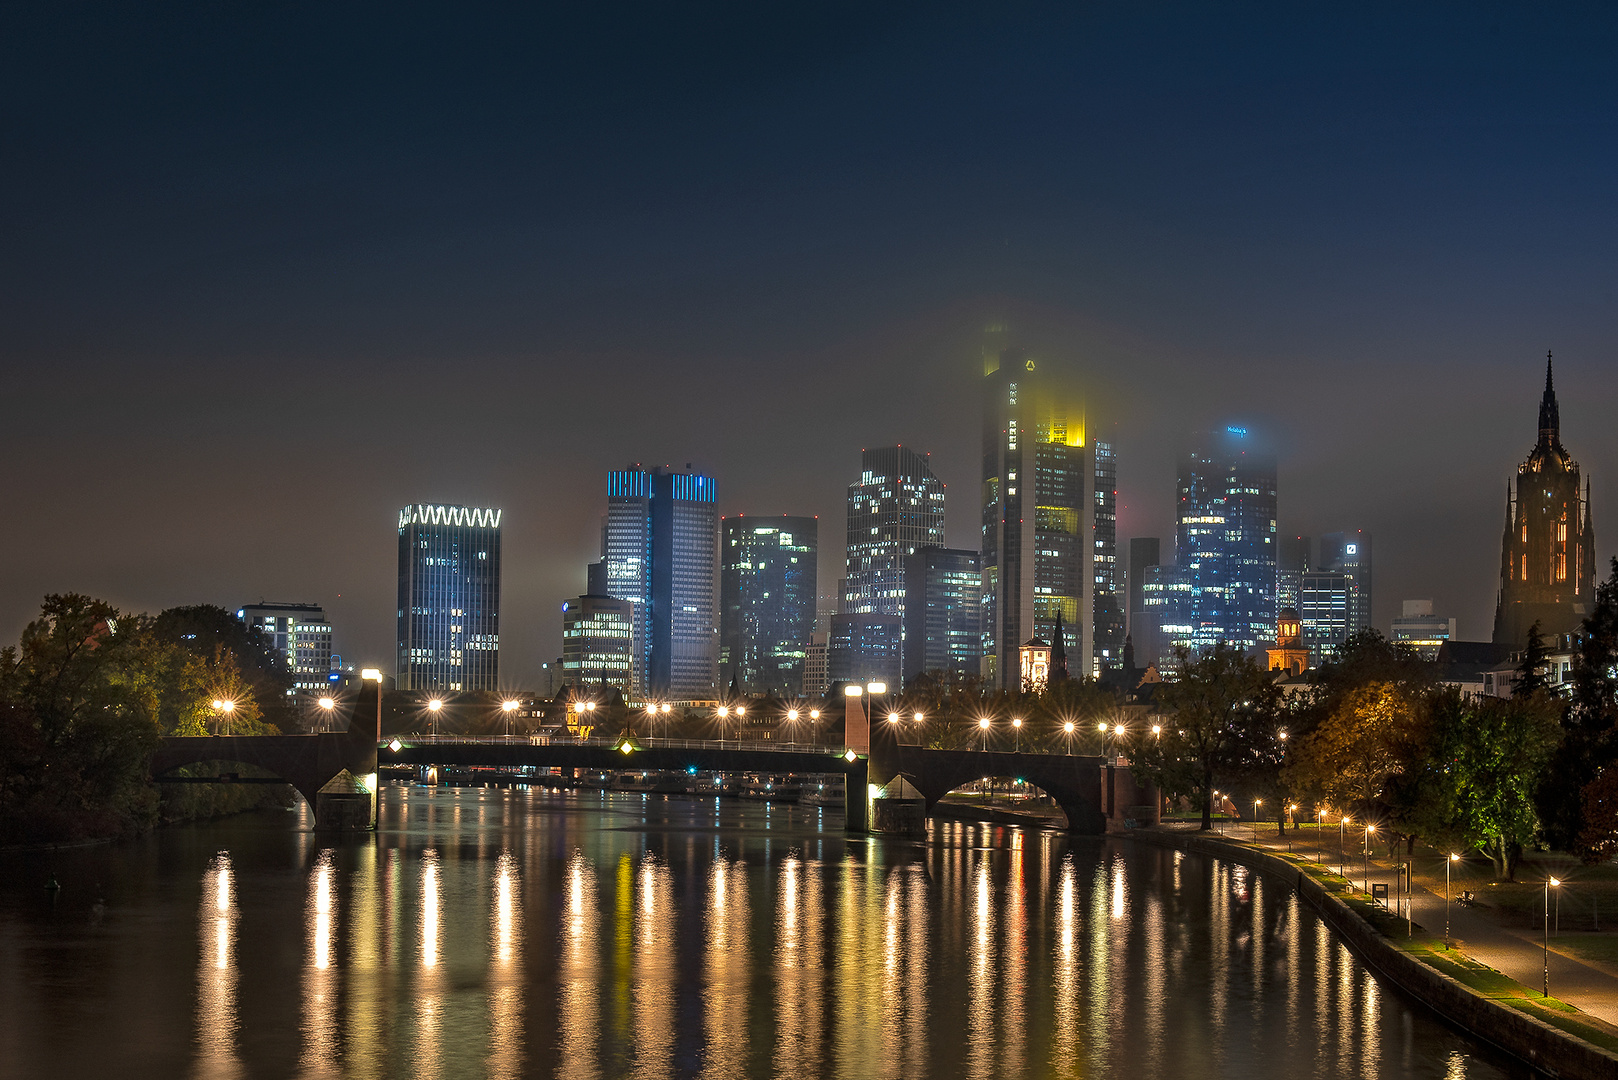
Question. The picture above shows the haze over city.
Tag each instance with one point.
(286, 272)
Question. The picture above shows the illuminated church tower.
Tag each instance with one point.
(1547, 555)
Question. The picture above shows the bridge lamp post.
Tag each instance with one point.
(224, 707)
(814, 726)
(433, 708)
(983, 725)
(327, 704)
(509, 708)
(1016, 723)
(721, 713)
(1067, 729)
(792, 718)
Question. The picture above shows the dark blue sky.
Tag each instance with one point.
(269, 273)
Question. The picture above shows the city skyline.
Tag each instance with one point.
(1358, 232)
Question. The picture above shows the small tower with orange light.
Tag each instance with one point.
(1289, 655)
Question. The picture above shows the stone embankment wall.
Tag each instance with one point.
(1546, 1048)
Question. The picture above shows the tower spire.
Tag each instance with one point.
(1549, 415)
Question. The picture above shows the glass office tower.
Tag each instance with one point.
(1037, 517)
(896, 507)
(660, 549)
(767, 577)
(1225, 542)
(301, 633)
(449, 598)
(1107, 597)
(598, 643)
(943, 617)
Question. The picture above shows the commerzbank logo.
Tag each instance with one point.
(426, 514)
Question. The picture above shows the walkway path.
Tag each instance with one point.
(1590, 986)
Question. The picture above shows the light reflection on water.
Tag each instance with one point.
(512, 934)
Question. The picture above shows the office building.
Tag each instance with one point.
(1225, 549)
(864, 647)
(1163, 625)
(1423, 631)
(598, 643)
(449, 598)
(1144, 552)
(767, 574)
(1349, 554)
(301, 634)
(895, 508)
(816, 665)
(1295, 555)
(1547, 552)
(1107, 596)
(1037, 516)
(943, 616)
(1323, 612)
(660, 550)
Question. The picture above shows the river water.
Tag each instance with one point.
(587, 934)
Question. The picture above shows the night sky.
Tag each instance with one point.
(271, 272)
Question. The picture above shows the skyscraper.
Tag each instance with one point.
(1325, 606)
(1144, 552)
(660, 549)
(767, 576)
(1349, 554)
(1225, 547)
(1037, 516)
(598, 643)
(1107, 598)
(1547, 551)
(449, 598)
(894, 508)
(943, 617)
(1295, 555)
(301, 633)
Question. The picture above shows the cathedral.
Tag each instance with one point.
(1547, 555)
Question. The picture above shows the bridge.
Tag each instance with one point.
(337, 773)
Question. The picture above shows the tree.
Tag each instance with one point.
(1497, 752)
(1219, 706)
(1355, 751)
(1598, 841)
(1590, 737)
(1531, 673)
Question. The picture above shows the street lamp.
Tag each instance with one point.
(508, 708)
(983, 725)
(814, 726)
(1254, 826)
(432, 711)
(1067, 729)
(1016, 722)
(1549, 884)
(1342, 845)
(1369, 829)
(224, 706)
(327, 704)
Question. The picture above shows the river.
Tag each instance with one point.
(512, 933)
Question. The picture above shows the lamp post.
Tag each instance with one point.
(983, 726)
(224, 707)
(1254, 826)
(1342, 844)
(814, 726)
(721, 713)
(1016, 723)
(1447, 864)
(1219, 805)
(508, 709)
(327, 704)
(433, 707)
(1549, 884)
(1369, 829)
(1067, 729)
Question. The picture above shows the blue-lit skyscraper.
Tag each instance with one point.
(449, 598)
(1107, 596)
(767, 576)
(661, 551)
(1225, 539)
(943, 617)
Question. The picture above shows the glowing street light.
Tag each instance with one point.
(327, 704)
(508, 708)
(893, 718)
(1451, 861)
(1369, 829)
(1067, 729)
(1256, 804)
(1016, 722)
(433, 707)
(1550, 883)
(983, 725)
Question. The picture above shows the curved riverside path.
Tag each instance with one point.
(1591, 986)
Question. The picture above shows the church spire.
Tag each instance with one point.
(1550, 422)
(1058, 651)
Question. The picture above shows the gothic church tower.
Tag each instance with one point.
(1547, 554)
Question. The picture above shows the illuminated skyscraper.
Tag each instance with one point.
(449, 598)
(1225, 550)
(767, 575)
(1547, 552)
(896, 507)
(1037, 517)
(1108, 593)
(301, 633)
(661, 551)
(943, 618)
(598, 643)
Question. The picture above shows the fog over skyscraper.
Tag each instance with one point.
(767, 578)
(449, 598)
(1225, 538)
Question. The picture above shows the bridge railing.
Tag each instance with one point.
(769, 745)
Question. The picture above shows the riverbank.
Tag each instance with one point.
(1550, 1035)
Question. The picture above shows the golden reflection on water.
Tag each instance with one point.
(1065, 997)
(505, 973)
(428, 1061)
(980, 990)
(319, 1024)
(726, 968)
(656, 972)
(799, 973)
(217, 1021)
(578, 1008)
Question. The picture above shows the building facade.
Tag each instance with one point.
(660, 550)
(895, 508)
(1295, 556)
(864, 647)
(1423, 631)
(1547, 551)
(1324, 604)
(1107, 597)
(1037, 516)
(449, 598)
(301, 633)
(768, 569)
(1225, 534)
(943, 616)
(1349, 554)
(598, 643)
(1144, 552)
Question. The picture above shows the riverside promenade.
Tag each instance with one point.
(1518, 952)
